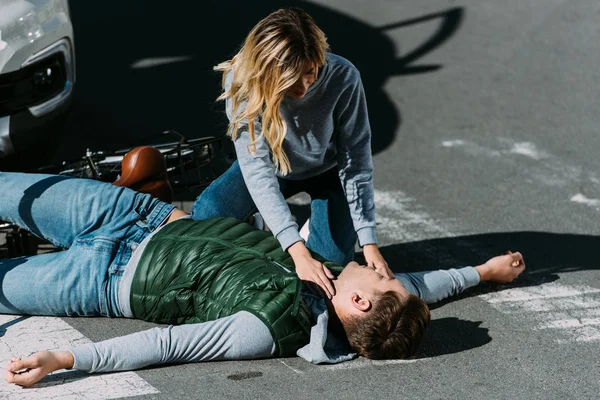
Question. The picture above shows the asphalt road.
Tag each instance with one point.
(486, 138)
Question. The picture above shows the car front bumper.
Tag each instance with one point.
(35, 94)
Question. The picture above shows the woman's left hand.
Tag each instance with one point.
(374, 259)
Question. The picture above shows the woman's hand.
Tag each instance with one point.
(309, 269)
(374, 259)
(35, 367)
(502, 269)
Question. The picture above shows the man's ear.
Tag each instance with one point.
(360, 301)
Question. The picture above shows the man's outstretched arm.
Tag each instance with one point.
(433, 286)
(237, 337)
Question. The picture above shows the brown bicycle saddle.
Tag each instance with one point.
(144, 170)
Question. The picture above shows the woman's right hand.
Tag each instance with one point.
(309, 269)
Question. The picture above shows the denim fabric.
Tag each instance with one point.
(98, 225)
(332, 233)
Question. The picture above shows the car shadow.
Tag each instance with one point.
(146, 66)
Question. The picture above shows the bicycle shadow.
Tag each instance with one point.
(150, 68)
(6, 325)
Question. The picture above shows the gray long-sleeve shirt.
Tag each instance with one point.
(244, 336)
(329, 126)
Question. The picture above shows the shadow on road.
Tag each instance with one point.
(545, 253)
(146, 66)
(452, 335)
(7, 325)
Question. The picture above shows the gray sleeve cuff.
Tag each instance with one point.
(289, 236)
(471, 276)
(82, 356)
(366, 236)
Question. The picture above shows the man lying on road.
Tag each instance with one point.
(227, 289)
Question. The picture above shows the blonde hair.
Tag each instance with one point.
(271, 61)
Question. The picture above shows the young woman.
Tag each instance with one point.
(298, 118)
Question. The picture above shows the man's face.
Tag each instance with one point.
(305, 81)
(368, 280)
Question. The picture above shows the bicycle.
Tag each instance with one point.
(191, 165)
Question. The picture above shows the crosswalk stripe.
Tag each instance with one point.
(570, 311)
(23, 336)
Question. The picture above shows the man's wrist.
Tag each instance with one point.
(483, 271)
(65, 359)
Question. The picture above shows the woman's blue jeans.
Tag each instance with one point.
(332, 233)
(98, 225)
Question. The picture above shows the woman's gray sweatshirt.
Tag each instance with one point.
(328, 127)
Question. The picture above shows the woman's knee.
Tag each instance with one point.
(227, 196)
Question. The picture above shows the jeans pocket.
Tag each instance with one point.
(98, 254)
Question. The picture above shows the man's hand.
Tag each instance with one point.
(374, 259)
(502, 269)
(32, 369)
(309, 269)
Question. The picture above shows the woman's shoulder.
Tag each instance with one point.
(341, 66)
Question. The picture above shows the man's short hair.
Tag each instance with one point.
(392, 329)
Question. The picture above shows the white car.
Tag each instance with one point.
(37, 69)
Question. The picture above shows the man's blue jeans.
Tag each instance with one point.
(331, 229)
(98, 225)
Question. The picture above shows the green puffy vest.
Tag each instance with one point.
(197, 271)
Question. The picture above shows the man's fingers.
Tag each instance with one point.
(16, 365)
(8, 376)
(24, 379)
(19, 364)
(517, 259)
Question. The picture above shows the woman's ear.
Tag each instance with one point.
(360, 301)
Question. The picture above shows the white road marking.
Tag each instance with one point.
(571, 310)
(158, 61)
(22, 336)
(579, 198)
(548, 170)
(293, 369)
(528, 149)
(548, 291)
(400, 219)
(571, 323)
(453, 143)
(364, 363)
(471, 148)
(3, 44)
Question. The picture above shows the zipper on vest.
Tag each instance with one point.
(280, 265)
(296, 306)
